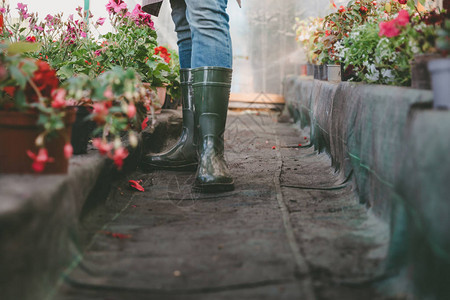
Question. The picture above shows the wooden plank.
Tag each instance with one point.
(262, 98)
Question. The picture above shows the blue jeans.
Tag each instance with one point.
(203, 33)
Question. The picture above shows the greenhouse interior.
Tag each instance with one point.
(249, 149)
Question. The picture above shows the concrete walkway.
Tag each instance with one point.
(292, 229)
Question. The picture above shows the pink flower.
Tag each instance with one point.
(403, 18)
(40, 159)
(102, 146)
(59, 98)
(101, 21)
(389, 29)
(116, 6)
(68, 150)
(98, 52)
(2, 10)
(83, 34)
(119, 155)
(136, 11)
(131, 111)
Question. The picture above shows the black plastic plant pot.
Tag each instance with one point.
(82, 130)
(347, 72)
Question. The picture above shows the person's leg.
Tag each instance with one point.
(183, 155)
(210, 32)
(183, 31)
(211, 69)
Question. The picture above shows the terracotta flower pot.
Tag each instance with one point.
(18, 132)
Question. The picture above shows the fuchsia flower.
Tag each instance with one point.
(102, 146)
(68, 150)
(40, 160)
(2, 10)
(131, 112)
(116, 6)
(59, 98)
(119, 155)
(101, 108)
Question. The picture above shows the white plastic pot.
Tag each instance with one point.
(440, 81)
(334, 73)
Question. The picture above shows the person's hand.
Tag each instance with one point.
(239, 3)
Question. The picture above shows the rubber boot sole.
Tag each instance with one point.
(185, 167)
(213, 188)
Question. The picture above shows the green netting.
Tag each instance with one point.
(361, 127)
(422, 200)
(397, 151)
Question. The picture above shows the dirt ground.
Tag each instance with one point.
(292, 229)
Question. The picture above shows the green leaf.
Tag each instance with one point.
(23, 47)
(20, 99)
(66, 72)
(18, 76)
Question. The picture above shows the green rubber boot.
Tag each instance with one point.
(211, 95)
(183, 155)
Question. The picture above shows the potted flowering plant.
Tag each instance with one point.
(304, 30)
(35, 125)
(381, 50)
(133, 45)
(117, 95)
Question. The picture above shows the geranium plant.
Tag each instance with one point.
(29, 85)
(133, 44)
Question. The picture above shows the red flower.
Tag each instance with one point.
(144, 123)
(1, 23)
(341, 9)
(136, 185)
(363, 9)
(402, 1)
(40, 159)
(119, 155)
(102, 146)
(31, 39)
(162, 51)
(10, 90)
(45, 80)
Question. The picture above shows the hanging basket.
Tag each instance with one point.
(18, 132)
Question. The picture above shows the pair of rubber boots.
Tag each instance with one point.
(205, 96)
